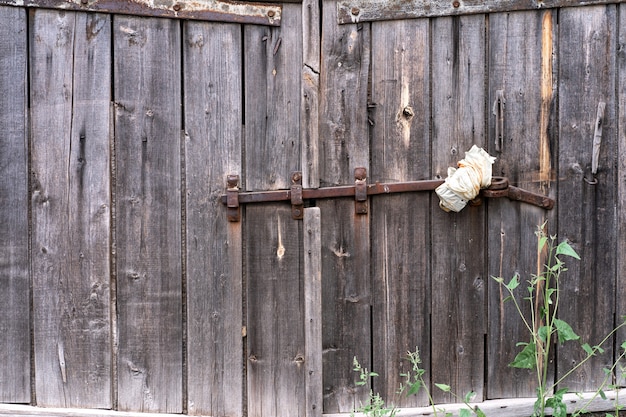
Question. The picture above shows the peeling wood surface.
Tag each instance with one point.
(352, 11)
(586, 212)
(71, 208)
(344, 145)
(458, 241)
(147, 91)
(275, 345)
(525, 158)
(210, 10)
(399, 113)
(14, 217)
(212, 52)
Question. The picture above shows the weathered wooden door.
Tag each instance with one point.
(123, 284)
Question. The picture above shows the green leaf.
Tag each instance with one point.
(443, 387)
(464, 412)
(479, 412)
(499, 280)
(469, 396)
(602, 394)
(623, 345)
(588, 349)
(513, 283)
(565, 249)
(542, 242)
(543, 333)
(526, 358)
(509, 298)
(415, 388)
(564, 331)
(373, 374)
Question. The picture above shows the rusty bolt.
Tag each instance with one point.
(296, 177)
(232, 181)
(456, 4)
(360, 173)
(176, 7)
(355, 11)
(271, 13)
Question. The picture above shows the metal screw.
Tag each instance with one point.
(456, 4)
(176, 7)
(355, 11)
(360, 173)
(271, 13)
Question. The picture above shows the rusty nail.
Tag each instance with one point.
(360, 173)
(456, 4)
(176, 7)
(355, 11)
(296, 177)
(271, 13)
(232, 181)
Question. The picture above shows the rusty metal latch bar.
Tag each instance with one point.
(360, 191)
(207, 10)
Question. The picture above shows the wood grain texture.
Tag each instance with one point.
(458, 268)
(400, 117)
(309, 112)
(621, 182)
(14, 257)
(528, 112)
(147, 90)
(273, 85)
(344, 145)
(586, 212)
(273, 240)
(213, 141)
(312, 250)
(70, 95)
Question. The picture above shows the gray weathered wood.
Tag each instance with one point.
(458, 269)
(621, 183)
(70, 95)
(274, 297)
(512, 248)
(400, 117)
(312, 247)
(344, 145)
(350, 11)
(14, 259)
(210, 10)
(311, 17)
(586, 212)
(147, 91)
(213, 118)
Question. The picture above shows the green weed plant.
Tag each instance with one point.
(544, 326)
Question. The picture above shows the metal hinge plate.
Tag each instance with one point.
(207, 10)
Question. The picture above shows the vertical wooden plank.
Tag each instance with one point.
(458, 269)
(274, 296)
(70, 96)
(344, 145)
(586, 211)
(312, 245)
(621, 179)
(147, 90)
(520, 65)
(213, 121)
(311, 21)
(14, 260)
(400, 223)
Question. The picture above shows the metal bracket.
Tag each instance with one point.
(233, 212)
(207, 10)
(360, 190)
(297, 204)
